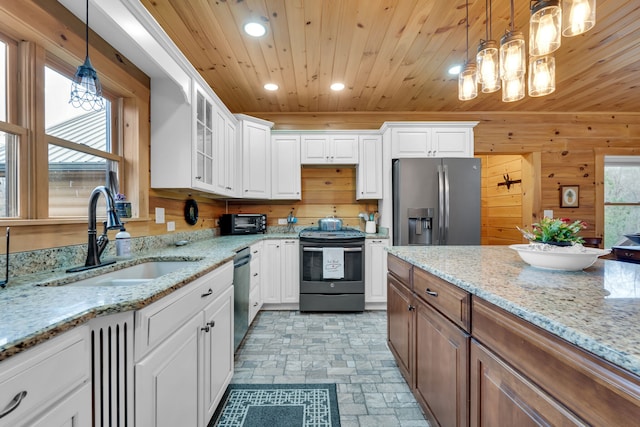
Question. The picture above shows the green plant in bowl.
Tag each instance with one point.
(556, 231)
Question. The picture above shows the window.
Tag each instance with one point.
(621, 198)
(9, 140)
(82, 153)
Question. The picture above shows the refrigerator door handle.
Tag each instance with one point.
(446, 204)
(441, 206)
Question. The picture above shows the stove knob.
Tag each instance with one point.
(333, 285)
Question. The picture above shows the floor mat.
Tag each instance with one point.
(282, 405)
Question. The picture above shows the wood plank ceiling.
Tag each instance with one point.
(392, 55)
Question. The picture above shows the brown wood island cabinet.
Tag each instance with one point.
(471, 363)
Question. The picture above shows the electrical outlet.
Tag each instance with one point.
(548, 213)
(171, 226)
(282, 221)
(159, 215)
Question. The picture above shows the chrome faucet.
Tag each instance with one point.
(97, 245)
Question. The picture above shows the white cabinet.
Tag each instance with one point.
(431, 139)
(375, 276)
(49, 384)
(369, 173)
(184, 352)
(193, 146)
(281, 285)
(286, 182)
(256, 157)
(323, 148)
(255, 270)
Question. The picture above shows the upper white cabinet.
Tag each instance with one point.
(193, 146)
(256, 157)
(369, 173)
(324, 148)
(286, 182)
(431, 139)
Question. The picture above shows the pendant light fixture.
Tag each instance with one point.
(542, 75)
(468, 77)
(545, 27)
(512, 63)
(487, 58)
(86, 91)
(578, 16)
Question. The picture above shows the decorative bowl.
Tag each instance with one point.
(559, 258)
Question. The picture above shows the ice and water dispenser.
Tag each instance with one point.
(420, 221)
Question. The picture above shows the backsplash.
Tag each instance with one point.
(38, 261)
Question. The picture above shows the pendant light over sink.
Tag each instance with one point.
(468, 77)
(86, 90)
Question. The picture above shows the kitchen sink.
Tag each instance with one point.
(135, 275)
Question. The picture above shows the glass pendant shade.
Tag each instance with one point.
(578, 16)
(468, 83)
(542, 75)
(513, 89)
(488, 61)
(545, 27)
(512, 56)
(86, 90)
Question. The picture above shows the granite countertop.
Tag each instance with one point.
(597, 309)
(35, 307)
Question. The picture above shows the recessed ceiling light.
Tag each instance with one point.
(271, 86)
(337, 86)
(455, 70)
(255, 29)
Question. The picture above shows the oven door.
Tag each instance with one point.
(312, 271)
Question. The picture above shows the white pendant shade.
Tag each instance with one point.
(512, 56)
(468, 83)
(542, 75)
(513, 89)
(578, 16)
(545, 28)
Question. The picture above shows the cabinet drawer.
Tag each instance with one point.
(401, 269)
(46, 373)
(254, 271)
(451, 301)
(255, 304)
(156, 322)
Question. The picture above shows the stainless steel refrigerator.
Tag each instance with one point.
(436, 201)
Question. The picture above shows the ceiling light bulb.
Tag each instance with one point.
(271, 86)
(512, 56)
(544, 27)
(455, 70)
(579, 16)
(513, 89)
(468, 83)
(337, 86)
(542, 76)
(255, 29)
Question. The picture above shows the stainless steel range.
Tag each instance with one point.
(331, 270)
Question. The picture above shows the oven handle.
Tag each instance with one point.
(320, 249)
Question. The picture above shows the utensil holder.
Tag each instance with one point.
(370, 227)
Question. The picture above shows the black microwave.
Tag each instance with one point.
(243, 224)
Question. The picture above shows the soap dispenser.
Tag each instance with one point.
(123, 243)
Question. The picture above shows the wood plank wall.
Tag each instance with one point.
(501, 206)
(326, 191)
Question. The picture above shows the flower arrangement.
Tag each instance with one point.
(556, 230)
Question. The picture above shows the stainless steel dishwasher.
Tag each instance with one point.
(241, 287)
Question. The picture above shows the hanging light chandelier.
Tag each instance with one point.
(487, 58)
(578, 16)
(512, 63)
(545, 27)
(542, 75)
(468, 77)
(86, 90)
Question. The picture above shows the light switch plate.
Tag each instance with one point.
(282, 221)
(159, 215)
(548, 213)
(171, 226)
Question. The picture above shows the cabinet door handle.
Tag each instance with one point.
(212, 323)
(255, 274)
(13, 405)
(209, 292)
(198, 178)
(430, 292)
(410, 307)
(255, 304)
(206, 328)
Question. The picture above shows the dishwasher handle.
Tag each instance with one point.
(237, 263)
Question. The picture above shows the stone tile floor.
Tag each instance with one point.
(347, 349)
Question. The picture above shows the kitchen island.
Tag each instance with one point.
(508, 304)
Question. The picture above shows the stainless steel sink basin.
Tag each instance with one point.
(135, 275)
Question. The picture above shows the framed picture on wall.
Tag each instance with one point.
(569, 196)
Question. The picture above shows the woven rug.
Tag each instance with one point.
(278, 405)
